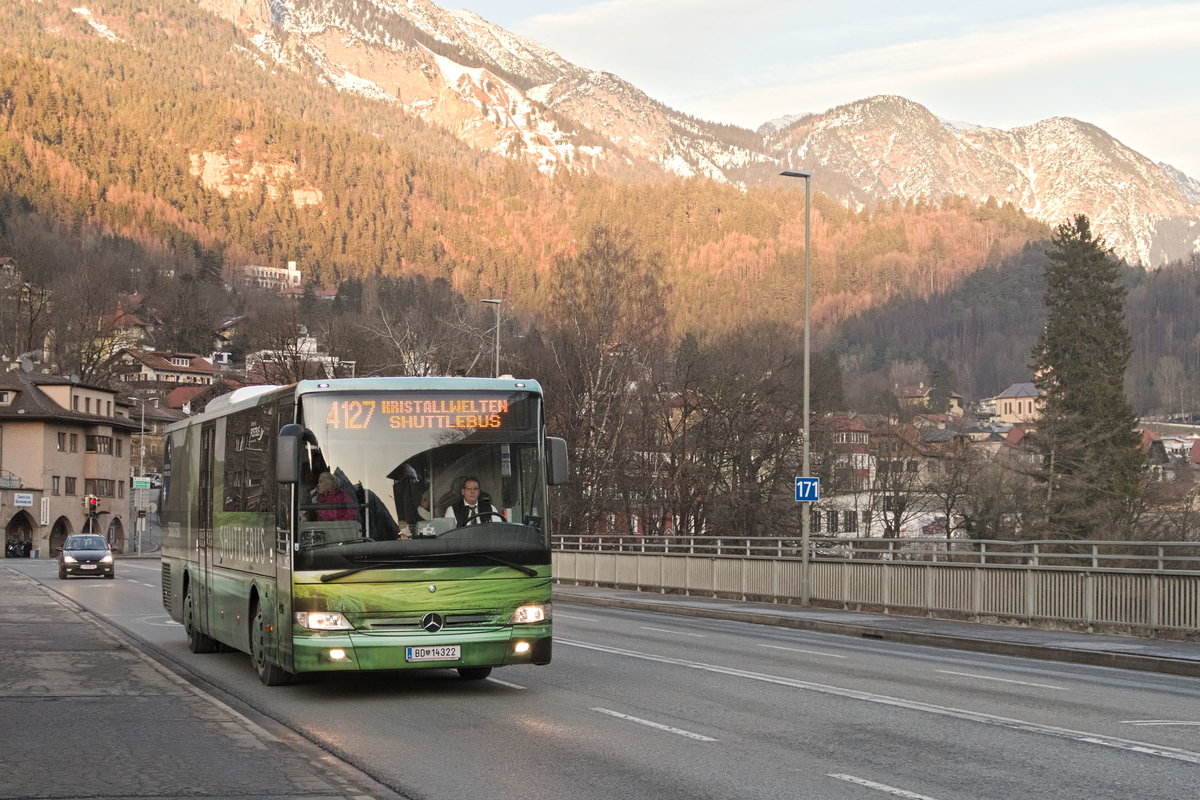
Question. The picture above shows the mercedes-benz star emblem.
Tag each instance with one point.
(433, 622)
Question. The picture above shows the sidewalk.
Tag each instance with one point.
(1123, 652)
(86, 714)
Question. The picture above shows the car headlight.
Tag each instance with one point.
(107, 559)
(68, 559)
(323, 621)
(527, 614)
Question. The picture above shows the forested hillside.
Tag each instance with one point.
(168, 144)
(985, 328)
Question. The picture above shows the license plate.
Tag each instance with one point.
(87, 566)
(442, 652)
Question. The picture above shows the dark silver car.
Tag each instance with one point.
(85, 554)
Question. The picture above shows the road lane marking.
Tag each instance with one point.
(506, 683)
(1143, 748)
(665, 630)
(883, 787)
(560, 615)
(799, 650)
(1002, 680)
(1149, 722)
(656, 725)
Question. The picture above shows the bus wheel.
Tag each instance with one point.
(197, 641)
(270, 674)
(474, 673)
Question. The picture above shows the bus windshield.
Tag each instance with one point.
(430, 478)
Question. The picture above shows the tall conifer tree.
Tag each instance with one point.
(1093, 458)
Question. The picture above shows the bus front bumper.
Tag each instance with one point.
(359, 651)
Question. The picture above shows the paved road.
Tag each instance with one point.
(640, 704)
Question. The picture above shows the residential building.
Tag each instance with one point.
(276, 278)
(161, 366)
(1019, 403)
(920, 398)
(60, 441)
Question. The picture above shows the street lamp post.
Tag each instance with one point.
(137, 542)
(496, 304)
(805, 518)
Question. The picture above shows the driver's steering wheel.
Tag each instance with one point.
(492, 513)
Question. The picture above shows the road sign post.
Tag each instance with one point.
(808, 490)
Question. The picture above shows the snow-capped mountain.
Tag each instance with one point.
(510, 95)
(892, 147)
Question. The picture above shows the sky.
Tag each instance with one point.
(1131, 68)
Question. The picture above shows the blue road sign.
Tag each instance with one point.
(808, 490)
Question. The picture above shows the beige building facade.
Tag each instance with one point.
(61, 441)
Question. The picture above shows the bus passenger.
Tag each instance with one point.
(328, 493)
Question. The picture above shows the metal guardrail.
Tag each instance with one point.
(1067, 554)
(1140, 588)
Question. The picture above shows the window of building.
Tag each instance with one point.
(70, 486)
(831, 520)
(62, 443)
(850, 521)
(866, 522)
(815, 520)
(120, 488)
(100, 444)
(75, 402)
(54, 484)
(4, 398)
(74, 442)
(118, 444)
(100, 487)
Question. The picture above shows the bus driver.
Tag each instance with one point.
(471, 510)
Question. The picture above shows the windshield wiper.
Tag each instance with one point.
(530, 571)
(522, 568)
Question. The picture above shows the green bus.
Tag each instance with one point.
(321, 526)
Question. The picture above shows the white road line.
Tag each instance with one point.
(677, 633)
(1143, 748)
(1149, 722)
(506, 683)
(1002, 680)
(883, 787)
(798, 650)
(656, 725)
(559, 615)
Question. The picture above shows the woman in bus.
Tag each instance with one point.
(338, 504)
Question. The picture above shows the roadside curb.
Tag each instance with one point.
(1102, 658)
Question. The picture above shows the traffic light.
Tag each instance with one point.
(93, 505)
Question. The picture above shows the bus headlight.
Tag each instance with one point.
(527, 614)
(323, 621)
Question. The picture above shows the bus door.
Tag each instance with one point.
(285, 537)
(204, 526)
(284, 552)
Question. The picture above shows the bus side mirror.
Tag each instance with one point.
(557, 461)
(287, 453)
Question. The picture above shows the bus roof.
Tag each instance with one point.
(250, 396)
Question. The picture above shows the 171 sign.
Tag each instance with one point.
(808, 490)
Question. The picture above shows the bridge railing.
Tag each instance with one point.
(1141, 588)
(1080, 554)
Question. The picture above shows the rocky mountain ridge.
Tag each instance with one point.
(502, 92)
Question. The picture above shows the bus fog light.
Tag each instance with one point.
(338, 654)
(323, 621)
(534, 612)
(520, 648)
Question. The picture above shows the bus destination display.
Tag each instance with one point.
(365, 413)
